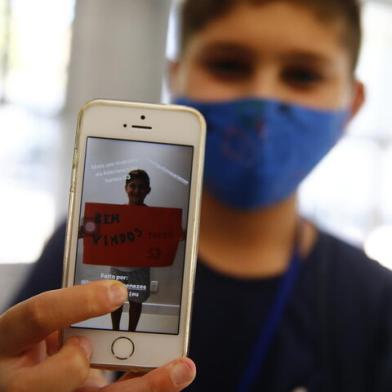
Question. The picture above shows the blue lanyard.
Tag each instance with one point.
(262, 345)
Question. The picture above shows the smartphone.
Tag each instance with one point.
(133, 217)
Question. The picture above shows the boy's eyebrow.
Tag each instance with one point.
(228, 48)
(307, 57)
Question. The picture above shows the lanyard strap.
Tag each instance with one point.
(261, 348)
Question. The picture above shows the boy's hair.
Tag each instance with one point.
(137, 174)
(196, 14)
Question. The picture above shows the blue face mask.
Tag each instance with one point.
(258, 151)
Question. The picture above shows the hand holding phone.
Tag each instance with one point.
(133, 218)
(32, 358)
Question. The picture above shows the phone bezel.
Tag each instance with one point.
(171, 124)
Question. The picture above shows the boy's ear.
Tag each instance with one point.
(359, 96)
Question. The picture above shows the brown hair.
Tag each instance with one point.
(137, 174)
(196, 14)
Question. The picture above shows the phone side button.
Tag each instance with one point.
(122, 348)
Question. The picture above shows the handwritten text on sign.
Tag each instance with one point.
(130, 236)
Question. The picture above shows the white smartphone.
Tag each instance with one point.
(133, 217)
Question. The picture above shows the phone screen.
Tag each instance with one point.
(132, 228)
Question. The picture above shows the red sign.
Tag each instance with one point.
(130, 235)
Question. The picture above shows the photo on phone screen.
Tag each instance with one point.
(132, 228)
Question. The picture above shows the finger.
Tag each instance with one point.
(129, 376)
(88, 389)
(33, 320)
(96, 378)
(63, 372)
(173, 377)
(52, 343)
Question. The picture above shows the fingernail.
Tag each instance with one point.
(86, 346)
(118, 293)
(181, 374)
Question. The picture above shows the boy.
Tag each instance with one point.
(279, 306)
(137, 187)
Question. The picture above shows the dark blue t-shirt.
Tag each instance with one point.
(228, 317)
(336, 333)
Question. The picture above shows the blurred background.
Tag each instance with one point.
(54, 56)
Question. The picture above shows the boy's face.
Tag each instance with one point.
(137, 190)
(277, 50)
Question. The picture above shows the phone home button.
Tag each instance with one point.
(122, 348)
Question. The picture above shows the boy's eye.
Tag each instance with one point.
(228, 69)
(302, 77)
